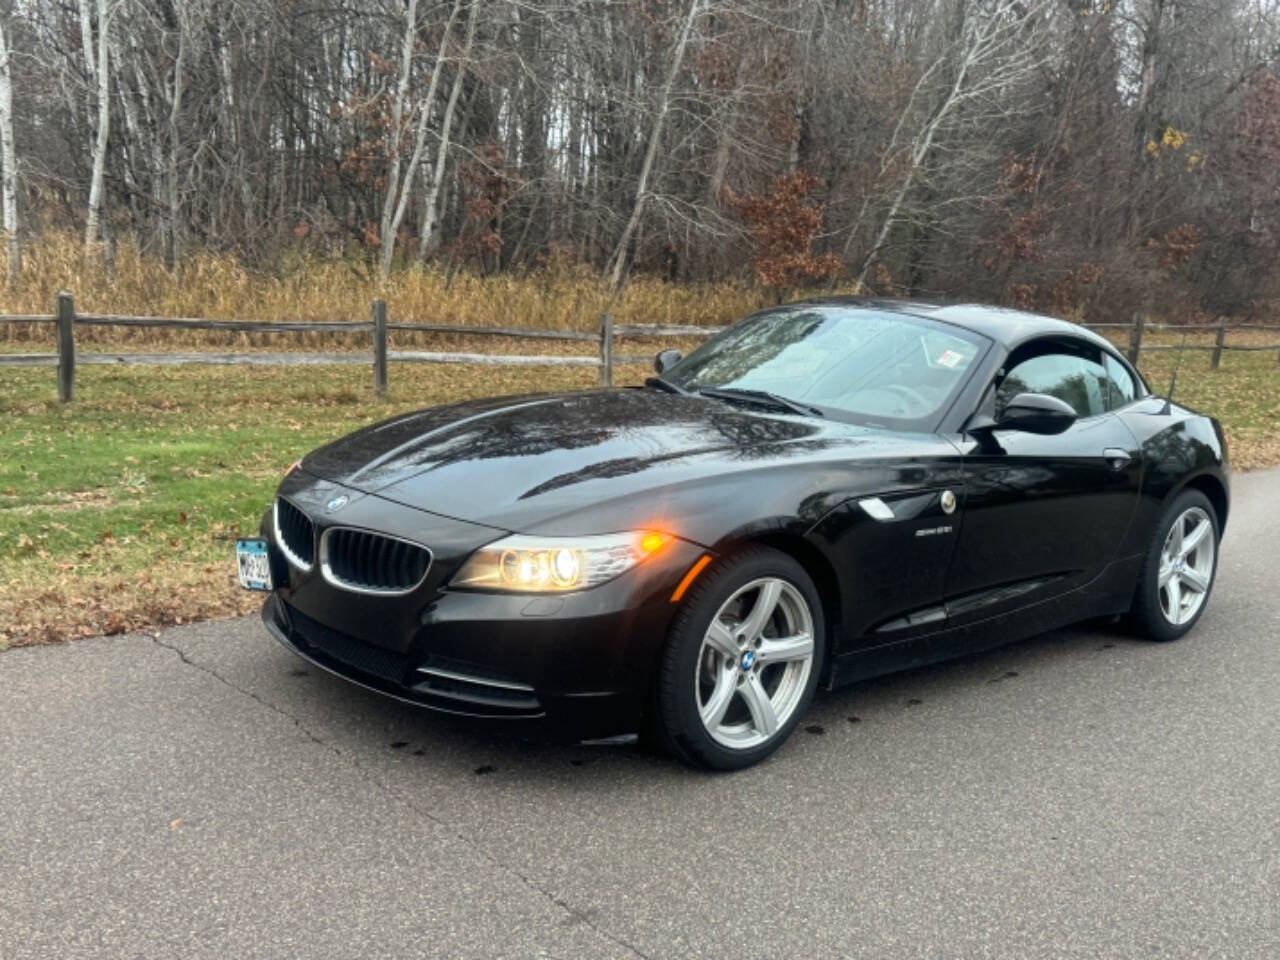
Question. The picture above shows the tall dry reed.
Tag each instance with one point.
(310, 288)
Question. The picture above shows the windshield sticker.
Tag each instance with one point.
(949, 359)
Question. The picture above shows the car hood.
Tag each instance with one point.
(519, 462)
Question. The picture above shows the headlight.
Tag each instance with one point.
(556, 564)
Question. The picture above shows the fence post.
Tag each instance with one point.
(606, 350)
(380, 347)
(1216, 358)
(1135, 337)
(66, 318)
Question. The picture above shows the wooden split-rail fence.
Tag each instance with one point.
(65, 320)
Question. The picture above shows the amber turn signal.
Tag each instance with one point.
(689, 577)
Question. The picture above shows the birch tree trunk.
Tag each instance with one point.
(426, 234)
(388, 237)
(92, 221)
(175, 109)
(988, 64)
(9, 157)
(397, 198)
(619, 258)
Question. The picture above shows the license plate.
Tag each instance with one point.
(255, 568)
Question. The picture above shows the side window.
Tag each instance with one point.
(1120, 386)
(1080, 382)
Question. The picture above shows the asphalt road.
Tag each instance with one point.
(1082, 794)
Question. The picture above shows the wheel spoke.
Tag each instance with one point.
(1173, 589)
(799, 647)
(1166, 571)
(713, 710)
(1193, 539)
(720, 638)
(758, 702)
(753, 623)
(1194, 579)
(1174, 543)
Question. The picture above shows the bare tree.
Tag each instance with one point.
(9, 158)
(175, 134)
(1090, 154)
(101, 72)
(993, 53)
(619, 260)
(431, 196)
(398, 193)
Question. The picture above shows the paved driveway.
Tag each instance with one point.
(1082, 794)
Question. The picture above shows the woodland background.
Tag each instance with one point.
(1082, 157)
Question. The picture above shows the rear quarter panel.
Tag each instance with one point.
(1178, 447)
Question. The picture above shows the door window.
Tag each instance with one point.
(1120, 386)
(1081, 383)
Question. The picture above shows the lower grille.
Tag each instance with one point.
(372, 562)
(365, 657)
(451, 678)
(295, 533)
(475, 692)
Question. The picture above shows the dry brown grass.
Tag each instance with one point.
(309, 289)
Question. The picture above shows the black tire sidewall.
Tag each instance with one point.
(1148, 617)
(680, 727)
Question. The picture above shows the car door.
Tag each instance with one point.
(1043, 514)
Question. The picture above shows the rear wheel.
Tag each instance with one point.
(1179, 570)
(742, 661)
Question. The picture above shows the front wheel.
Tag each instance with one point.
(742, 661)
(1179, 570)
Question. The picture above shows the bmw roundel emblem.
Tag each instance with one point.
(337, 503)
(948, 502)
(748, 658)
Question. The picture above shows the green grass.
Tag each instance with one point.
(118, 511)
(1244, 393)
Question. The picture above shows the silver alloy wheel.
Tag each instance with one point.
(754, 663)
(1186, 566)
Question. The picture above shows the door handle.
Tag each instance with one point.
(1116, 458)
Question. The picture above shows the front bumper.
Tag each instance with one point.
(572, 666)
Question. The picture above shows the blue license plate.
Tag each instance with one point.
(253, 564)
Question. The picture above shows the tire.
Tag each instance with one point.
(725, 661)
(1171, 596)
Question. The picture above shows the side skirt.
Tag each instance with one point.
(1111, 592)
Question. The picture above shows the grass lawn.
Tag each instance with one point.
(118, 511)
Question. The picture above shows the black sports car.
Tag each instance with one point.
(823, 492)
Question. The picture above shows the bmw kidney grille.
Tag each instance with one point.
(370, 562)
(295, 534)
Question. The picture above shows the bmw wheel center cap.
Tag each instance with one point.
(748, 659)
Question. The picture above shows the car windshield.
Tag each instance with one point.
(853, 363)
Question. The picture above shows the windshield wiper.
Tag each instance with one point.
(661, 384)
(762, 397)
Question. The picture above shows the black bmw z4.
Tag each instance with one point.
(822, 492)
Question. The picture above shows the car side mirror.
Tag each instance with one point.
(667, 359)
(1036, 413)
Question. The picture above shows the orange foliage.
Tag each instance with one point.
(486, 186)
(783, 221)
(1176, 246)
(1018, 240)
